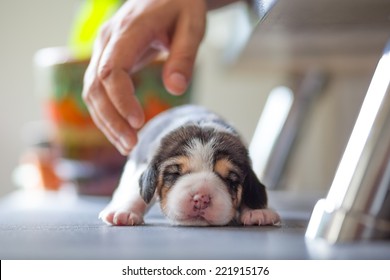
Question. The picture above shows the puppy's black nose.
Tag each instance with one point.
(201, 201)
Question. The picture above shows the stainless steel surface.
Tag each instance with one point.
(357, 206)
(262, 7)
(311, 87)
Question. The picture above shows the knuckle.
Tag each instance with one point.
(89, 91)
(104, 70)
(105, 29)
(86, 96)
(130, 21)
(124, 23)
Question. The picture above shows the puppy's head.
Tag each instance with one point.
(202, 176)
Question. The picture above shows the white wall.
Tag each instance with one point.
(25, 27)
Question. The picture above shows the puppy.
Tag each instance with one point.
(195, 164)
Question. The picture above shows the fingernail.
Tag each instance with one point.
(125, 143)
(179, 82)
(135, 122)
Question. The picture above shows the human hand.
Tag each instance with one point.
(133, 37)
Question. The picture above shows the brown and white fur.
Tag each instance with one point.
(195, 164)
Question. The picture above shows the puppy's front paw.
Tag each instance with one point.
(121, 217)
(259, 217)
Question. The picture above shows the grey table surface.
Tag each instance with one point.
(39, 225)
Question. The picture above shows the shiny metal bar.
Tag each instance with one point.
(311, 88)
(262, 7)
(358, 203)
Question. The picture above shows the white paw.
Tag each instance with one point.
(121, 217)
(259, 217)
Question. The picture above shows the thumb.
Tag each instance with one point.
(179, 66)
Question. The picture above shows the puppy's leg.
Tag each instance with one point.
(259, 217)
(127, 208)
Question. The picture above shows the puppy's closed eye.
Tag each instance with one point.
(228, 172)
(171, 174)
(233, 179)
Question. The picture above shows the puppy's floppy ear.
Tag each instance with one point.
(254, 194)
(148, 183)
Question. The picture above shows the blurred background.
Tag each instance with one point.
(25, 27)
(234, 77)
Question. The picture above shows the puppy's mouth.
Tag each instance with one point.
(193, 219)
(197, 216)
(196, 221)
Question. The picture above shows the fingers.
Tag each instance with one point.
(119, 57)
(110, 122)
(120, 91)
(103, 110)
(131, 38)
(187, 38)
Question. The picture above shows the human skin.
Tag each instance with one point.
(135, 35)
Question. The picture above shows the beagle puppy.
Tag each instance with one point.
(195, 164)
